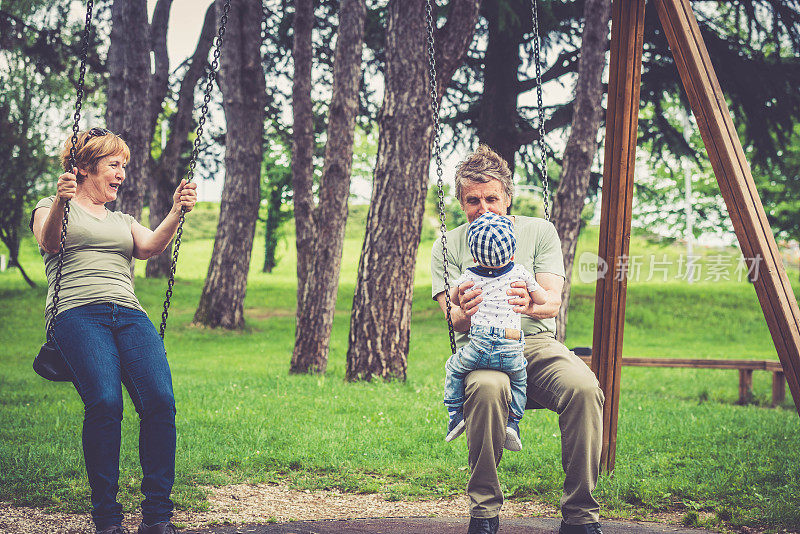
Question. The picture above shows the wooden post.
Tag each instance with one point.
(627, 31)
(778, 388)
(745, 386)
(736, 183)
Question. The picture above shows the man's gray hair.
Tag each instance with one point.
(481, 167)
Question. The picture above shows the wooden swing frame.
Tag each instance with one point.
(733, 175)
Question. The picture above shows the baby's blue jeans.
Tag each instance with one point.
(487, 349)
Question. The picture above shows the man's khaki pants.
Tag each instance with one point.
(559, 381)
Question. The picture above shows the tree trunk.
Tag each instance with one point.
(13, 261)
(167, 172)
(158, 87)
(498, 116)
(271, 227)
(162, 187)
(303, 142)
(159, 81)
(135, 130)
(316, 307)
(582, 144)
(243, 93)
(10, 238)
(379, 324)
(115, 95)
(499, 123)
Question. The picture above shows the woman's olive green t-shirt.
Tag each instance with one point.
(98, 256)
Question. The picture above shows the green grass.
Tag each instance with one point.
(683, 443)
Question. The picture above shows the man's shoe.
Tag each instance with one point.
(483, 525)
(455, 427)
(513, 439)
(591, 528)
(114, 529)
(159, 528)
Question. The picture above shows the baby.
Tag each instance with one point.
(495, 335)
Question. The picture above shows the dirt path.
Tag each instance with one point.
(265, 503)
(262, 503)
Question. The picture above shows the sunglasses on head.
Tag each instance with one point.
(97, 132)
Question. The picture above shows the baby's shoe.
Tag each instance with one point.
(456, 425)
(513, 437)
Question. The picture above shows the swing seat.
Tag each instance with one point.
(531, 404)
(50, 364)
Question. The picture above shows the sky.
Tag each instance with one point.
(185, 20)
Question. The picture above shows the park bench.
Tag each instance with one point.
(745, 368)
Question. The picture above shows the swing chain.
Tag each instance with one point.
(72, 153)
(193, 162)
(437, 148)
(542, 147)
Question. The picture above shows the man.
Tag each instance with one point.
(557, 379)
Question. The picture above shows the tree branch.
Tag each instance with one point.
(559, 119)
(181, 123)
(567, 62)
(453, 38)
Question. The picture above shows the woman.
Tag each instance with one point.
(101, 329)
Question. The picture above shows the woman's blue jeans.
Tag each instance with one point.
(107, 345)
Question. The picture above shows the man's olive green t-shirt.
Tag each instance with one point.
(98, 255)
(538, 250)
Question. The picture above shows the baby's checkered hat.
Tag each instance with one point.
(491, 239)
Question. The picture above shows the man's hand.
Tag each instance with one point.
(455, 297)
(463, 305)
(520, 298)
(467, 299)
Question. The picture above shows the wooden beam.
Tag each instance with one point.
(686, 363)
(627, 31)
(745, 386)
(736, 184)
(778, 388)
(745, 368)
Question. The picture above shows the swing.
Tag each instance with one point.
(437, 148)
(49, 363)
(193, 162)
